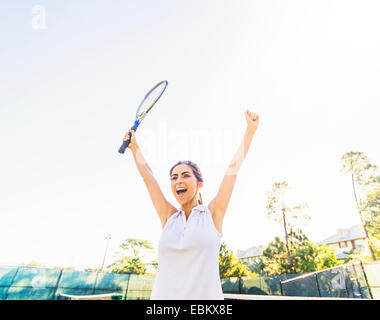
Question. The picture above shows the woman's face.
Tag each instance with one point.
(184, 184)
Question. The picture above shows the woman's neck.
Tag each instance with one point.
(188, 207)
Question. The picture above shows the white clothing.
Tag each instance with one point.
(188, 258)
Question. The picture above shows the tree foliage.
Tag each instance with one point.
(129, 265)
(230, 266)
(306, 256)
(282, 209)
(371, 214)
(130, 258)
(137, 247)
(35, 264)
(357, 164)
(363, 178)
(258, 267)
(314, 258)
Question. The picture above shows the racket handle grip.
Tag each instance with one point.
(126, 143)
(124, 146)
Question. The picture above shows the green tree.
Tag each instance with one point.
(258, 267)
(357, 255)
(128, 265)
(275, 258)
(280, 209)
(230, 266)
(311, 258)
(130, 258)
(306, 257)
(363, 177)
(137, 247)
(35, 264)
(91, 269)
(371, 214)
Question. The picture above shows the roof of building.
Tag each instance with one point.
(250, 252)
(351, 233)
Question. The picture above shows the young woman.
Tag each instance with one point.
(188, 250)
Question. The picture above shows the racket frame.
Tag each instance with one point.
(140, 117)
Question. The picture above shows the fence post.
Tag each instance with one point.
(282, 292)
(316, 281)
(56, 286)
(366, 280)
(14, 277)
(96, 282)
(126, 290)
(357, 280)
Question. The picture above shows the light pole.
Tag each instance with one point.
(108, 238)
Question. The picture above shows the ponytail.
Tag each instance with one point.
(200, 201)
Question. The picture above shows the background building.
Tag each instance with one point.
(250, 255)
(345, 240)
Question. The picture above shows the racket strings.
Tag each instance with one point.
(150, 99)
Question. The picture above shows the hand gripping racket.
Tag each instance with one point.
(145, 106)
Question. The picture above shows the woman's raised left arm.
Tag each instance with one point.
(218, 205)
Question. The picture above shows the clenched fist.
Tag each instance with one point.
(252, 119)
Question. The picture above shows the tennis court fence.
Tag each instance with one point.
(350, 281)
(353, 280)
(28, 283)
(344, 281)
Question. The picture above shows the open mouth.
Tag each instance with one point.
(181, 191)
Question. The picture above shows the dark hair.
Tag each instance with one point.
(196, 171)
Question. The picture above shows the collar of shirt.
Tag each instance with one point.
(198, 208)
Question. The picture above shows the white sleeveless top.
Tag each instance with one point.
(188, 258)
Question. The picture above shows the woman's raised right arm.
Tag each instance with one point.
(163, 207)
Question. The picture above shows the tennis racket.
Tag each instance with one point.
(145, 106)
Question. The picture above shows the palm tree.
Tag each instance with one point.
(363, 175)
(279, 209)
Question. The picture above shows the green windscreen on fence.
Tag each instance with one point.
(112, 283)
(303, 286)
(140, 287)
(260, 286)
(31, 283)
(345, 281)
(255, 285)
(76, 283)
(231, 285)
(270, 285)
(28, 283)
(7, 275)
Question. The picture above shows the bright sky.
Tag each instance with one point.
(73, 73)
